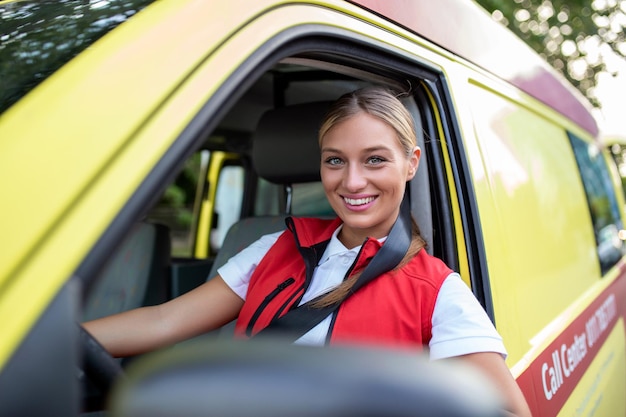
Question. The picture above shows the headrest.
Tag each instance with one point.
(284, 145)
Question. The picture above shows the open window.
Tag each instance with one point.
(223, 185)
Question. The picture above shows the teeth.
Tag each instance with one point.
(358, 201)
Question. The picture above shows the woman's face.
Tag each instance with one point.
(364, 172)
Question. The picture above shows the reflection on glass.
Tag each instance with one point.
(39, 37)
(603, 207)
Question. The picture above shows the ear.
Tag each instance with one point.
(414, 161)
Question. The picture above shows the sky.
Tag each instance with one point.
(612, 94)
(611, 91)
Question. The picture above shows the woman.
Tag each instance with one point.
(368, 153)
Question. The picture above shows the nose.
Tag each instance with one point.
(354, 178)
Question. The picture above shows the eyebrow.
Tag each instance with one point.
(366, 150)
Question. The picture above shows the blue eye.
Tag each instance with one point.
(375, 160)
(333, 161)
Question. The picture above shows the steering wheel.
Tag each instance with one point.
(98, 368)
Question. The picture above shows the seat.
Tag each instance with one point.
(419, 187)
(243, 233)
(284, 152)
(137, 274)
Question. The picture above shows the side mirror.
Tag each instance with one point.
(275, 379)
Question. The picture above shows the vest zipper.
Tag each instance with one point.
(279, 288)
(290, 301)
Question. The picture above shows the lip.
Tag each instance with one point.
(359, 202)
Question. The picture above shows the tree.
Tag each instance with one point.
(574, 36)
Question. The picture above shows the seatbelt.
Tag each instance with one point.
(300, 320)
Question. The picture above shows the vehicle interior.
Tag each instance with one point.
(259, 165)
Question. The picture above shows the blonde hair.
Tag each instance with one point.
(383, 104)
(378, 102)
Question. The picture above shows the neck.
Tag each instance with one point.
(348, 240)
(351, 240)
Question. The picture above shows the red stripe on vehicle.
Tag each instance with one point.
(552, 376)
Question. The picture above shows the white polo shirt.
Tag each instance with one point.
(459, 324)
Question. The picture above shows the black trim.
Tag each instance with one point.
(444, 237)
(470, 219)
(42, 376)
(250, 186)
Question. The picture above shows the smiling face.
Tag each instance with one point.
(364, 170)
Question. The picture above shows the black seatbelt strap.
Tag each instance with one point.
(300, 320)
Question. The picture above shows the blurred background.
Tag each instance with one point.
(582, 39)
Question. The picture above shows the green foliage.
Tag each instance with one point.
(175, 207)
(572, 35)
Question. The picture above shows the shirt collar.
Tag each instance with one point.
(335, 247)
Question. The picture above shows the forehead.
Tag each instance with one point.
(361, 131)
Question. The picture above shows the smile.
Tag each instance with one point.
(358, 201)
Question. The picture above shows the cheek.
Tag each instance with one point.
(395, 184)
(325, 183)
(329, 178)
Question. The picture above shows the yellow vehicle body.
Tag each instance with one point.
(86, 153)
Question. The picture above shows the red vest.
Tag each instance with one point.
(394, 309)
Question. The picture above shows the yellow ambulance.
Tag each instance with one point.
(129, 172)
